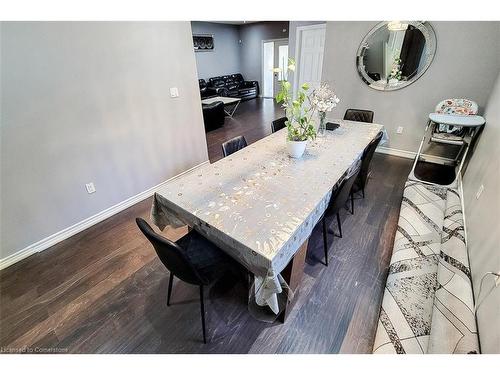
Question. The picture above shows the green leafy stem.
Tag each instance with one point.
(299, 111)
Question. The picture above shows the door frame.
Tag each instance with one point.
(262, 61)
(298, 49)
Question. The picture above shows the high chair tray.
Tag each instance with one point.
(457, 120)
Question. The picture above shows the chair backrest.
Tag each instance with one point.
(238, 78)
(374, 76)
(216, 82)
(278, 124)
(170, 254)
(340, 196)
(233, 145)
(367, 158)
(361, 115)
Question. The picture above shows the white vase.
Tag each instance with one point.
(296, 148)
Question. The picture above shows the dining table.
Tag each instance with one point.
(260, 206)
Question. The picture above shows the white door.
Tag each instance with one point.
(274, 55)
(280, 61)
(310, 49)
(267, 69)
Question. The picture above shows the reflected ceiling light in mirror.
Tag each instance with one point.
(389, 60)
(397, 26)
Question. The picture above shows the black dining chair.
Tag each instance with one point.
(337, 202)
(366, 159)
(193, 259)
(361, 115)
(233, 145)
(278, 124)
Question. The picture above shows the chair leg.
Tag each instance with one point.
(340, 225)
(325, 242)
(202, 315)
(248, 279)
(170, 282)
(352, 203)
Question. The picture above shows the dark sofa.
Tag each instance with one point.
(234, 86)
(205, 91)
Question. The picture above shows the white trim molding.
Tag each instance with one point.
(395, 152)
(262, 65)
(55, 238)
(411, 155)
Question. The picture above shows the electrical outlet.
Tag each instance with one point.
(174, 92)
(399, 130)
(90, 187)
(479, 191)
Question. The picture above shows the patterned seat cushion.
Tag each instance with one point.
(453, 327)
(405, 317)
(447, 138)
(420, 299)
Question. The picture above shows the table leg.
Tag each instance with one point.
(292, 274)
(230, 113)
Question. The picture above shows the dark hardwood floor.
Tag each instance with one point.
(104, 290)
(252, 119)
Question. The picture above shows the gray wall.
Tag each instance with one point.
(251, 36)
(89, 101)
(483, 224)
(226, 57)
(465, 65)
(231, 56)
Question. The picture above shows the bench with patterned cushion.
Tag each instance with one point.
(428, 303)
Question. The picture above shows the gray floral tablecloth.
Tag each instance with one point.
(259, 205)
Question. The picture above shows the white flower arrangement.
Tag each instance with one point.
(324, 98)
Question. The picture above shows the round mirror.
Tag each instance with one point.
(395, 54)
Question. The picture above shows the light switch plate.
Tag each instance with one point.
(399, 130)
(90, 187)
(174, 92)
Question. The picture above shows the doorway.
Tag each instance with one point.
(274, 55)
(309, 50)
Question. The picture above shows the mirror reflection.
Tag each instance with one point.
(395, 54)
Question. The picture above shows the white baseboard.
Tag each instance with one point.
(395, 152)
(53, 239)
(411, 155)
